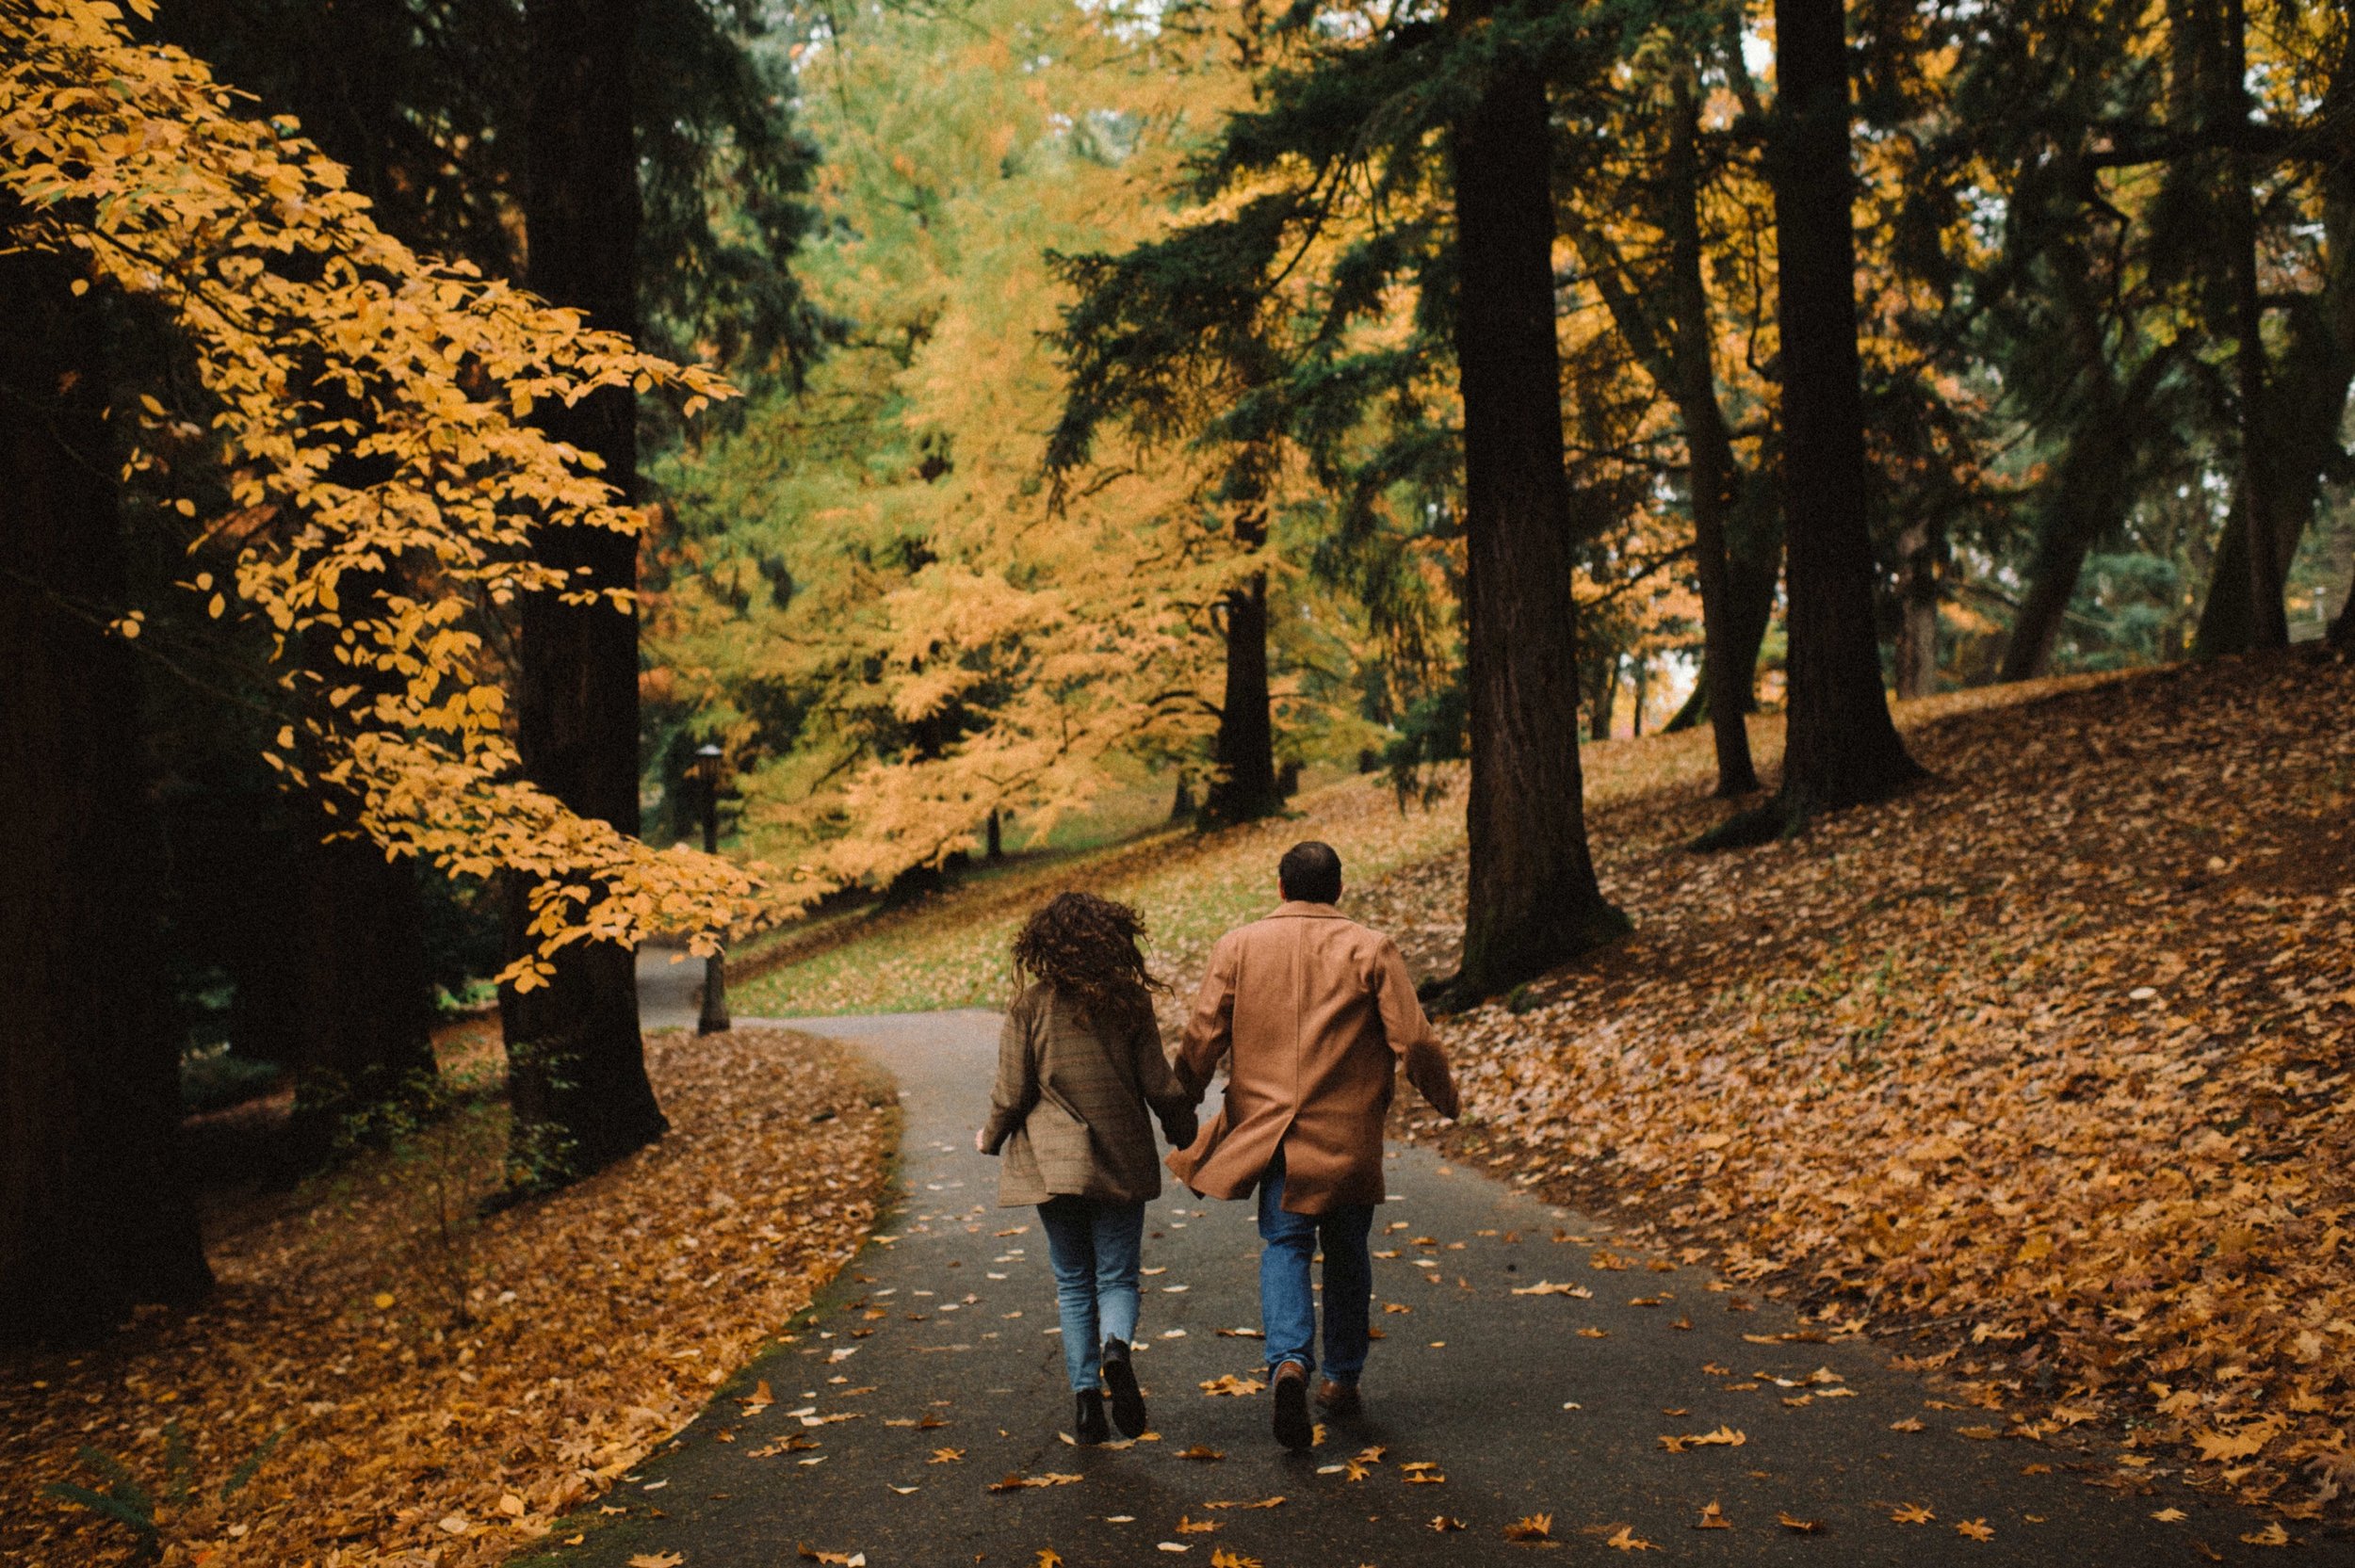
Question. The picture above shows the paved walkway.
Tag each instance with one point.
(930, 1373)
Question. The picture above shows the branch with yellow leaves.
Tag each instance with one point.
(367, 409)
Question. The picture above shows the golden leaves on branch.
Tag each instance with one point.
(363, 357)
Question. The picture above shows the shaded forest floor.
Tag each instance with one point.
(2040, 1073)
(407, 1392)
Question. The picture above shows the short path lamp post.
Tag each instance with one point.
(714, 1017)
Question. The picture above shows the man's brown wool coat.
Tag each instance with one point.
(1320, 1014)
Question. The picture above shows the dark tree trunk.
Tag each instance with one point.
(2338, 220)
(2307, 402)
(995, 842)
(357, 983)
(1244, 788)
(2225, 622)
(1181, 806)
(576, 1064)
(1840, 747)
(1726, 669)
(1605, 696)
(96, 1214)
(2269, 623)
(1917, 593)
(1753, 571)
(363, 991)
(1531, 900)
(2093, 486)
(2053, 572)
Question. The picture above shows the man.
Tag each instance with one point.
(1318, 1010)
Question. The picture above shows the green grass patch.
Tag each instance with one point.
(1189, 886)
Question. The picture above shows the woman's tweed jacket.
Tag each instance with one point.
(1068, 1114)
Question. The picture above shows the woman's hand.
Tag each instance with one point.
(981, 1141)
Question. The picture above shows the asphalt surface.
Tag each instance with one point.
(929, 1373)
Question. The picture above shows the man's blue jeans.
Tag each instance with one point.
(1094, 1248)
(1287, 1307)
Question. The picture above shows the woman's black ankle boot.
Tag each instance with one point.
(1128, 1399)
(1089, 1418)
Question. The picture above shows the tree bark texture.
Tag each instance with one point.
(1604, 697)
(1242, 789)
(96, 1214)
(2268, 620)
(363, 990)
(1531, 901)
(576, 1064)
(1728, 670)
(2306, 401)
(2093, 486)
(1753, 571)
(1839, 747)
(1917, 595)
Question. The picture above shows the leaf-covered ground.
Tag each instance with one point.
(597, 1321)
(2040, 1070)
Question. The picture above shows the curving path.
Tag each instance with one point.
(935, 1343)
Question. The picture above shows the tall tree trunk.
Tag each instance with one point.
(576, 1064)
(357, 979)
(362, 998)
(96, 1212)
(1244, 788)
(2306, 401)
(2268, 620)
(2093, 486)
(1727, 672)
(1917, 633)
(1605, 696)
(1753, 571)
(1840, 747)
(1532, 900)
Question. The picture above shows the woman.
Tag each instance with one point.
(1080, 1065)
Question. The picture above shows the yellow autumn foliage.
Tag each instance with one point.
(329, 351)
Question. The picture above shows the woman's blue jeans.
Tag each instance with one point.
(1287, 1307)
(1094, 1247)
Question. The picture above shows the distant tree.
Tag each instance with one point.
(1667, 316)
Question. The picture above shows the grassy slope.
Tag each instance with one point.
(950, 952)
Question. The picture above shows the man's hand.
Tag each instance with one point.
(981, 1141)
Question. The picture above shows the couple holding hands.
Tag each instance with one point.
(1318, 1014)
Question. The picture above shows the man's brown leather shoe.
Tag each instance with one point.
(1340, 1399)
(1291, 1388)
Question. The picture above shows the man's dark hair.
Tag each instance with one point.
(1310, 873)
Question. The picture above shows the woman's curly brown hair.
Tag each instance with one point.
(1086, 948)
